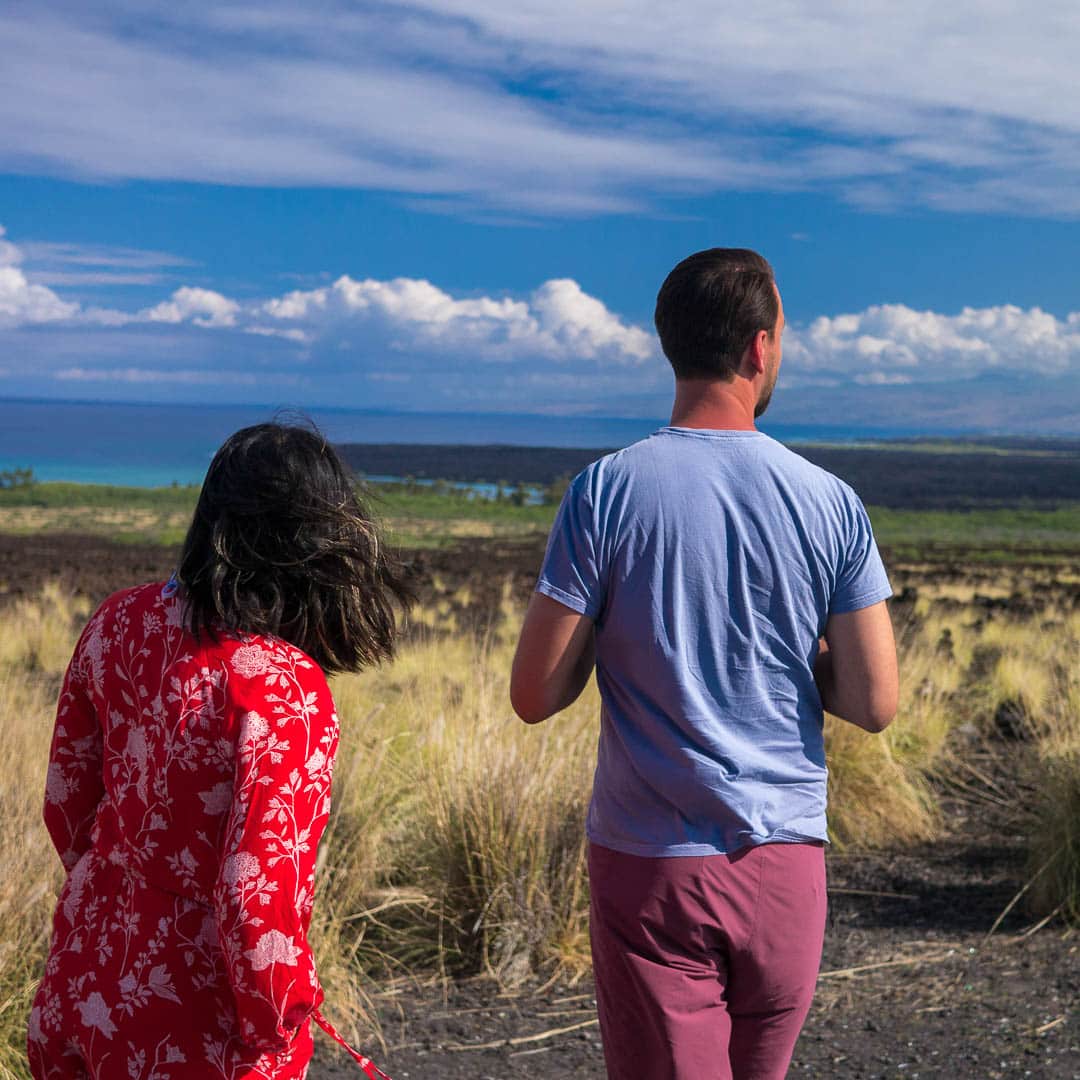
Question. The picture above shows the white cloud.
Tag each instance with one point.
(559, 321)
(157, 375)
(299, 336)
(551, 107)
(579, 324)
(883, 378)
(890, 343)
(80, 96)
(99, 256)
(25, 303)
(203, 307)
(22, 303)
(10, 255)
(110, 278)
(557, 341)
(74, 265)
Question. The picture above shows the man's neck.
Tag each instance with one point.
(713, 404)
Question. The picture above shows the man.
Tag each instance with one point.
(727, 590)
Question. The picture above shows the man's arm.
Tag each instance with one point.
(856, 669)
(554, 658)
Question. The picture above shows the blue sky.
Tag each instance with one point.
(469, 205)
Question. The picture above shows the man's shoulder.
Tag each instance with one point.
(617, 465)
(673, 459)
(790, 463)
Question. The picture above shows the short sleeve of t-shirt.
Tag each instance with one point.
(571, 573)
(861, 580)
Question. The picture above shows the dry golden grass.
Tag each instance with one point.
(414, 532)
(879, 795)
(456, 841)
(1054, 851)
(1054, 862)
(480, 853)
(93, 520)
(35, 645)
(40, 634)
(1025, 673)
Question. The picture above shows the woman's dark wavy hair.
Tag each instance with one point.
(282, 544)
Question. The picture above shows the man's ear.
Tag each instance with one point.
(757, 353)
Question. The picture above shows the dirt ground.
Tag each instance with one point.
(921, 975)
(475, 572)
(913, 984)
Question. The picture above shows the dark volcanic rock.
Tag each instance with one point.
(888, 476)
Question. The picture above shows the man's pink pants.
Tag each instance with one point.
(705, 966)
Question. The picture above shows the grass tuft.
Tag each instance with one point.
(456, 842)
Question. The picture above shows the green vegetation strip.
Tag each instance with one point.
(59, 495)
(951, 447)
(416, 515)
(990, 535)
(423, 516)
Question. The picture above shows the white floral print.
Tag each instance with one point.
(273, 947)
(217, 799)
(250, 661)
(240, 867)
(95, 1013)
(187, 789)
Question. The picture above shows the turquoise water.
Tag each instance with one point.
(156, 445)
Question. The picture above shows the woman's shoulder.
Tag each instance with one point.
(159, 607)
(126, 615)
(274, 683)
(264, 656)
(138, 597)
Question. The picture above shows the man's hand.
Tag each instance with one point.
(554, 659)
(856, 669)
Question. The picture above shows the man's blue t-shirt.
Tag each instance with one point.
(710, 562)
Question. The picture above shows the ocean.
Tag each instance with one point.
(157, 445)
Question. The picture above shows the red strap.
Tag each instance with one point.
(365, 1063)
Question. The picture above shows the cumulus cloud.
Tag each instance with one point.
(579, 324)
(894, 344)
(10, 255)
(22, 303)
(203, 307)
(559, 321)
(410, 342)
(27, 303)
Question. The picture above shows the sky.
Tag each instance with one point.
(469, 205)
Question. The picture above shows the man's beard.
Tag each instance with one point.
(766, 394)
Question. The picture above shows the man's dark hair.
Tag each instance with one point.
(281, 544)
(709, 309)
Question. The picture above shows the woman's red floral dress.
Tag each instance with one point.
(188, 786)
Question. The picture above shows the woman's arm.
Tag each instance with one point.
(74, 785)
(288, 734)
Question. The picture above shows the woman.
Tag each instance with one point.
(189, 779)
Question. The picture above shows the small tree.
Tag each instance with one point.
(16, 478)
(552, 493)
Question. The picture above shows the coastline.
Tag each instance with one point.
(913, 474)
